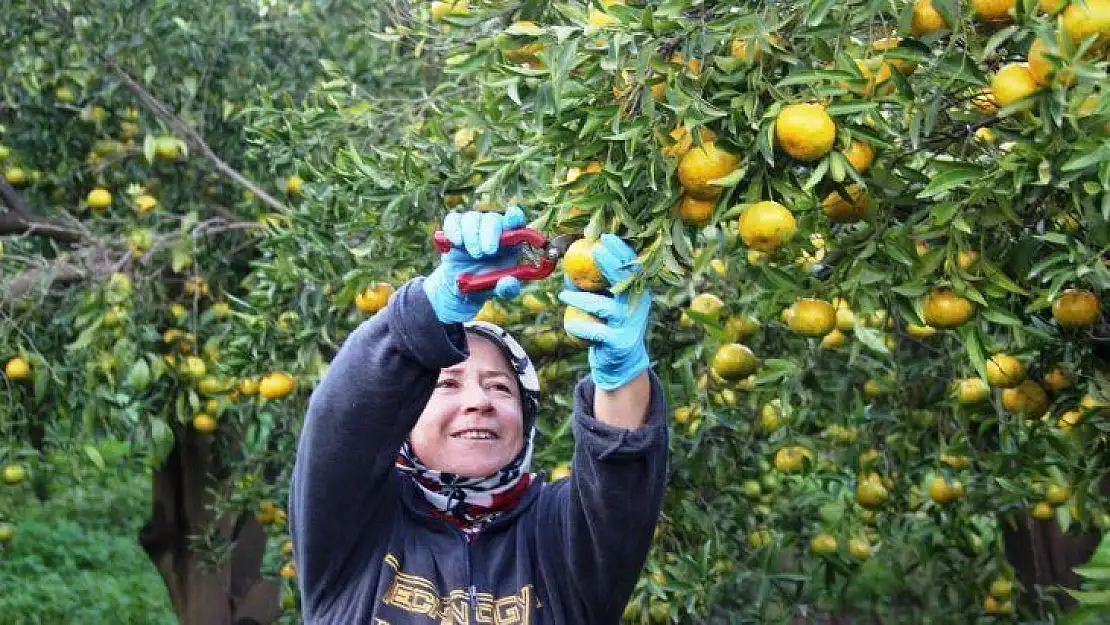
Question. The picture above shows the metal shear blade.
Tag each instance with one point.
(556, 247)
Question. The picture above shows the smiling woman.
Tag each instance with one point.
(474, 422)
(470, 450)
(412, 498)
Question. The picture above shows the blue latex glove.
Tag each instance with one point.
(476, 238)
(618, 352)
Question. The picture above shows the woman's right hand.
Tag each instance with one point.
(476, 248)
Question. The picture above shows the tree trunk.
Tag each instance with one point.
(1043, 555)
(1040, 552)
(206, 589)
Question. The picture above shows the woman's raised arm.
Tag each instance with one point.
(608, 508)
(344, 487)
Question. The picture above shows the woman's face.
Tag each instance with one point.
(473, 424)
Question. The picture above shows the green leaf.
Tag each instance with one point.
(679, 239)
(947, 10)
(781, 279)
(910, 290)
(149, 146)
(817, 175)
(1081, 615)
(1002, 317)
(811, 77)
(1054, 237)
(838, 166)
(996, 40)
(872, 338)
(702, 112)
(1001, 280)
(943, 212)
(42, 380)
(634, 131)
(708, 253)
(930, 262)
(817, 11)
(1053, 259)
(973, 294)
(970, 338)
(95, 457)
(87, 336)
(949, 180)
(161, 438)
(1093, 572)
(1089, 598)
(181, 257)
(525, 28)
(850, 108)
(138, 376)
(1083, 161)
(775, 369)
(730, 180)
(1101, 556)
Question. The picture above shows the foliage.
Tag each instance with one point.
(75, 559)
(1094, 599)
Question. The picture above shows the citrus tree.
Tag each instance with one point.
(877, 231)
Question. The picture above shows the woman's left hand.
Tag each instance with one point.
(618, 349)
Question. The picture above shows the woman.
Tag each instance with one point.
(412, 500)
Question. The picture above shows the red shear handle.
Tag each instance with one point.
(470, 282)
(531, 236)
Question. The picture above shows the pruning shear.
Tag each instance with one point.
(546, 252)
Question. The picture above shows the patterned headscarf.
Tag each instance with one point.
(471, 504)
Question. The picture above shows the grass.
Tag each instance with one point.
(75, 557)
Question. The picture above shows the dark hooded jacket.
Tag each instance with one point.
(368, 549)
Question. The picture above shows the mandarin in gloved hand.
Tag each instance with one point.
(617, 336)
(580, 267)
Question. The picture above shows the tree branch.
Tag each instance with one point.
(19, 219)
(194, 140)
(167, 116)
(15, 223)
(61, 271)
(13, 199)
(98, 258)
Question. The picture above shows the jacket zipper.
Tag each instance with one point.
(471, 589)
